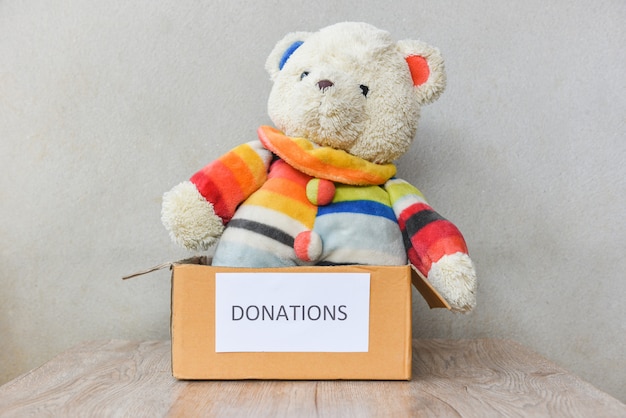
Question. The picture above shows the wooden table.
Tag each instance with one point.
(468, 378)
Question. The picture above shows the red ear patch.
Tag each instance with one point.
(419, 69)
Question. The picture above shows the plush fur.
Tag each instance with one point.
(320, 187)
(378, 127)
(190, 219)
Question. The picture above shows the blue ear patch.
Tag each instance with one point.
(292, 48)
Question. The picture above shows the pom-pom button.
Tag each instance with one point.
(320, 192)
(308, 246)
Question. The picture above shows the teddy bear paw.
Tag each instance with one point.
(189, 218)
(454, 277)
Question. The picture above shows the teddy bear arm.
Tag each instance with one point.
(435, 246)
(195, 212)
(233, 177)
(190, 220)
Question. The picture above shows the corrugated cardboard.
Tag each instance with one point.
(193, 332)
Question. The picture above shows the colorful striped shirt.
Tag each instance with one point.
(286, 201)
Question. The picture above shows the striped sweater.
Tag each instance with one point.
(286, 202)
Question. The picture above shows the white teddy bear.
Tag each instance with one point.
(320, 187)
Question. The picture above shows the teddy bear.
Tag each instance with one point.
(320, 187)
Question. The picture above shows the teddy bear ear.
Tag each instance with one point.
(427, 69)
(283, 50)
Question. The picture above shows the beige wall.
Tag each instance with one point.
(105, 106)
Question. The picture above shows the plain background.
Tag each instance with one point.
(106, 105)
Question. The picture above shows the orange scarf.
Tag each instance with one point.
(324, 162)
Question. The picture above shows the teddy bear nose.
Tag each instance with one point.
(324, 84)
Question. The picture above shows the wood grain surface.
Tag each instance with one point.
(460, 378)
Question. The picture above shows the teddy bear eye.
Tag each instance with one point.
(364, 89)
(304, 74)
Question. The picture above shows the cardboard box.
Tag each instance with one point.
(193, 327)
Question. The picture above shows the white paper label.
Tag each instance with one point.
(292, 312)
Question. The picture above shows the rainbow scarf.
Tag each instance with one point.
(324, 162)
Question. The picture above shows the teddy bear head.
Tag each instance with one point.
(351, 87)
